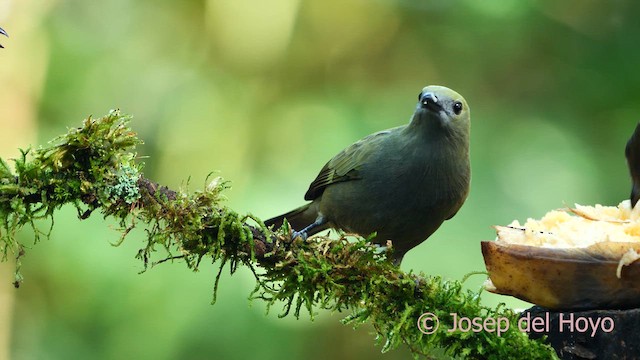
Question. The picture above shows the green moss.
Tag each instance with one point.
(94, 168)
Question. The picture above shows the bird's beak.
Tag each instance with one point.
(430, 101)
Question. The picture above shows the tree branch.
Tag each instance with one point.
(94, 168)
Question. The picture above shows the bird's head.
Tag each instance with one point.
(441, 107)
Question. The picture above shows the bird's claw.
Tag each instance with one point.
(302, 234)
(381, 249)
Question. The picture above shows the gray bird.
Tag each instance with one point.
(401, 183)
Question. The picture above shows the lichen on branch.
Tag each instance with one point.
(95, 167)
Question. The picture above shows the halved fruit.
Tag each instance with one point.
(582, 258)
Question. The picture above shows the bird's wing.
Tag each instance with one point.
(345, 166)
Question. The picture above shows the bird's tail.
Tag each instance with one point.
(299, 219)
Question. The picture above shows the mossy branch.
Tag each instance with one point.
(94, 168)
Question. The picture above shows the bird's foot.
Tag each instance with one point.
(381, 248)
(302, 234)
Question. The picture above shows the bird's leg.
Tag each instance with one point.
(320, 220)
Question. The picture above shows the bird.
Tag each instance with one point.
(632, 153)
(5, 34)
(401, 183)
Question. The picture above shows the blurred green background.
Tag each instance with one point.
(265, 92)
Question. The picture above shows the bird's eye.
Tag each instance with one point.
(457, 107)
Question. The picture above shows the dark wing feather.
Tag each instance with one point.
(345, 165)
